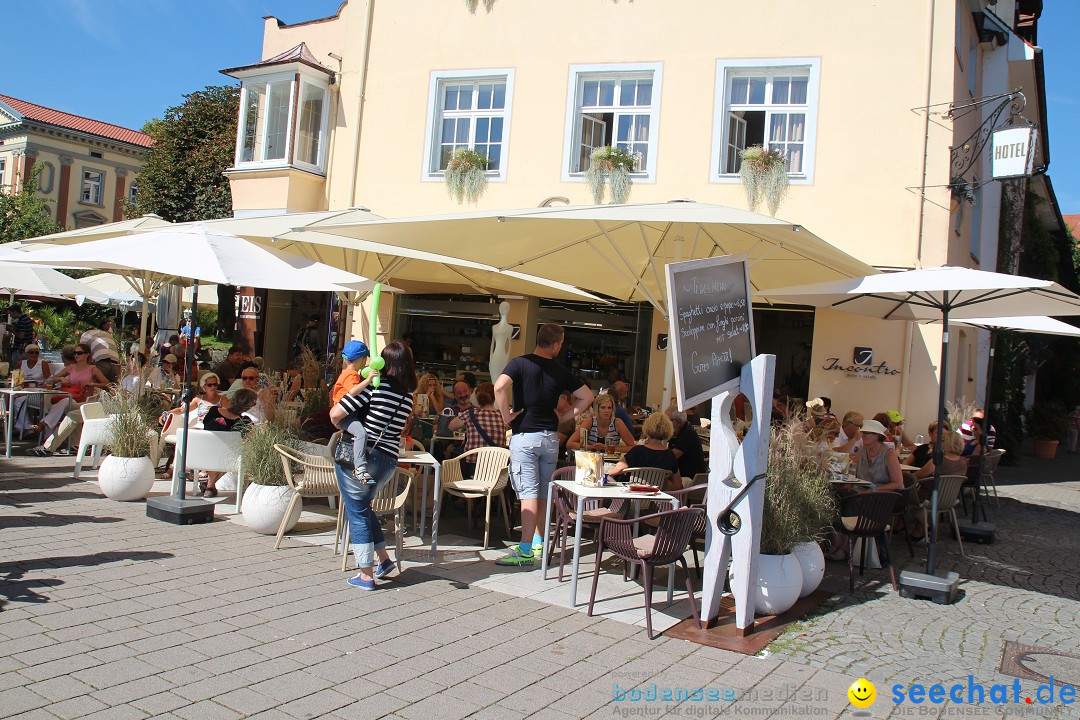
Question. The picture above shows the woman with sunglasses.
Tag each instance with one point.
(35, 373)
(80, 379)
(200, 405)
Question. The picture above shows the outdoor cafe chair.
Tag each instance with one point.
(664, 547)
(489, 481)
(389, 500)
(948, 498)
(657, 477)
(214, 452)
(95, 433)
(873, 512)
(316, 479)
(693, 496)
(985, 481)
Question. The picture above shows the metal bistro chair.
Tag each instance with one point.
(389, 500)
(873, 511)
(566, 515)
(317, 480)
(666, 546)
(948, 498)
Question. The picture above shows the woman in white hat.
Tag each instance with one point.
(876, 462)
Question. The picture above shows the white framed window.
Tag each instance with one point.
(613, 105)
(93, 181)
(311, 132)
(772, 103)
(133, 192)
(3, 172)
(468, 109)
(265, 120)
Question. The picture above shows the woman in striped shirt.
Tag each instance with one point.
(384, 412)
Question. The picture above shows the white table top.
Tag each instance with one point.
(610, 492)
(21, 390)
(416, 456)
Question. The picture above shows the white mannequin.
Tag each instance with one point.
(500, 342)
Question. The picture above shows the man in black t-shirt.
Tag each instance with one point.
(687, 446)
(535, 382)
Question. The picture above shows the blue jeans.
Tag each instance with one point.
(365, 534)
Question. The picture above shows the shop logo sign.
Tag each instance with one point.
(862, 365)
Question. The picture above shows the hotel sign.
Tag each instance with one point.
(1013, 152)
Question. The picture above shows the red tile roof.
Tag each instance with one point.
(48, 116)
(1073, 221)
(300, 53)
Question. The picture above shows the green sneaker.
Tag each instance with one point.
(516, 557)
(538, 548)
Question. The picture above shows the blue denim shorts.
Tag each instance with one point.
(533, 457)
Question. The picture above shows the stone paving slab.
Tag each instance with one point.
(105, 613)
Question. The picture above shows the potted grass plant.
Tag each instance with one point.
(798, 511)
(764, 177)
(610, 168)
(128, 472)
(268, 496)
(466, 175)
(1046, 423)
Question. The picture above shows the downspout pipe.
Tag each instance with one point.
(365, 56)
(926, 133)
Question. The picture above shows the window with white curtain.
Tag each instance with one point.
(614, 106)
(264, 120)
(92, 183)
(769, 105)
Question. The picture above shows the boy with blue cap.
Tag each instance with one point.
(355, 354)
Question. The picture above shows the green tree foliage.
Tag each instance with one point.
(25, 214)
(183, 178)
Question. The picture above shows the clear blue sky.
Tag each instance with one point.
(125, 61)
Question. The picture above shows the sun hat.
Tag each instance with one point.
(170, 358)
(816, 407)
(354, 350)
(895, 416)
(873, 426)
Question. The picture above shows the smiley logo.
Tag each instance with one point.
(862, 693)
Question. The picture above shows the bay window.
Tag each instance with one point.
(283, 122)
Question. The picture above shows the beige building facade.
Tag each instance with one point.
(866, 100)
(87, 168)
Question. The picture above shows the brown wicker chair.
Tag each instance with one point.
(873, 511)
(666, 546)
(317, 479)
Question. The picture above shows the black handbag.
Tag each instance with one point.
(343, 451)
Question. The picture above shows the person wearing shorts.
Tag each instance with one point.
(534, 382)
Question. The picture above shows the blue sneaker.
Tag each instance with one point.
(386, 567)
(360, 582)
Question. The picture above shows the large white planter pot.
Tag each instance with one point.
(812, 563)
(779, 583)
(126, 479)
(265, 505)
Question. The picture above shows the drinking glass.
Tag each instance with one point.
(610, 443)
(920, 440)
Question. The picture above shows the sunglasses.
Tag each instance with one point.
(210, 385)
(80, 352)
(249, 377)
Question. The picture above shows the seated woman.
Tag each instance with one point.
(603, 424)
(200, 405)
(654, 451)
(953, 463)
(484, 426)
(35, 373)
(428, 401)
(80, 379)
(876, 462)
(164, 375)
(236, 419)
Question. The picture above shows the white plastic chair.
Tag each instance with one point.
(488, 482)
(214, 452)
(95, 433)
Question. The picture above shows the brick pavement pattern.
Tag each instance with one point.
(107, 614)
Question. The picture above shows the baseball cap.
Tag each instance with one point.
(170, 358)
(354, 350)
(895, 416)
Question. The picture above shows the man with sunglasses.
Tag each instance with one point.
(850, 439)
(249, 380)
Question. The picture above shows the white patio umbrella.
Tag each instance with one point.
(119, 290)
(100, 232)
(941, 293)
(177, 254)
(21, 279)
(616, 250)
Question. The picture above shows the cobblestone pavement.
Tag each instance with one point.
(108, 614)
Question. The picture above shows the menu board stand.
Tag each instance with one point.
(712, 341)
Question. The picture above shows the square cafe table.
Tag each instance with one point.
(415, 457)
(584, 492)
(9, 411)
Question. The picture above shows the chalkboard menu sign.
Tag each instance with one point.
(712, 332)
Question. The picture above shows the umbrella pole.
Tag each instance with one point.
(986, 429)
(142, 318)
(189, 358)
(939, 455)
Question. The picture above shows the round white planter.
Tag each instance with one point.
(126, 479)
(812, 563)
(779, 583)
(265, 505)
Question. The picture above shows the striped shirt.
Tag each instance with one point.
(383, 413)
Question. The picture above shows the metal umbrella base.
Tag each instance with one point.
(180, 511)
(942, 590)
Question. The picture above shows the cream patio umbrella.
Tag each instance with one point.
(616, 250)
(100, 232)
(942, 294)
